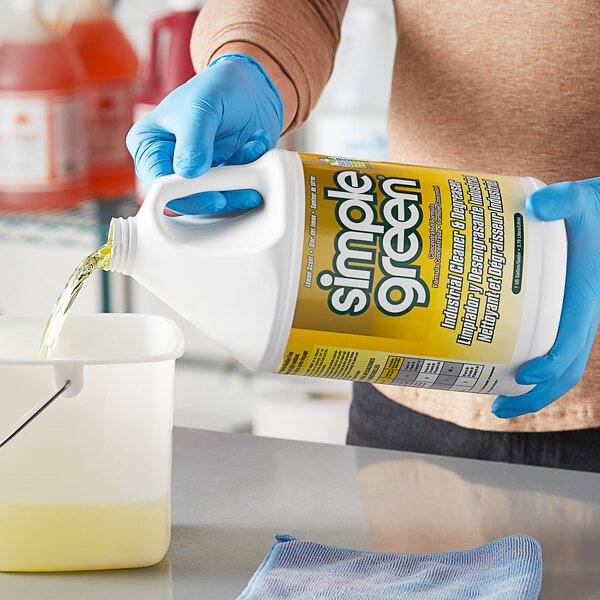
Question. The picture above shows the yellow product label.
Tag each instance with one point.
(410, 275)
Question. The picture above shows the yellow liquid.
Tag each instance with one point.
(99, 259)
(77, 537)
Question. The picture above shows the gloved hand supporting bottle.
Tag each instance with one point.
(561, 369)
(229, 113)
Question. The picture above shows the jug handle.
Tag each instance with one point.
(29, 416)
(222, 179)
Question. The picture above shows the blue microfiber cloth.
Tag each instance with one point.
(506, 569)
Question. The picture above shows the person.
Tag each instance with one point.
(493, 87)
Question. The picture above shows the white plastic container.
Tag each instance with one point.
(86, 485)
(308, 410)
(359, 270)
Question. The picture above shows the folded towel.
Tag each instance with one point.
(506, 569)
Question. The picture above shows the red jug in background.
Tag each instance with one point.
(111, 66)
(42, 115)
(169, 62)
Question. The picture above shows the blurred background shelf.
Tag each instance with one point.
(72, 227)
(45, 246)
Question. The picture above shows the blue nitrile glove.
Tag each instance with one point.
(229, 113)
(557, 372)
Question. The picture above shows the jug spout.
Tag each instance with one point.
(123, 235)
(72, 372)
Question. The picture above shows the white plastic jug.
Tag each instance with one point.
(359, 270)
(86, 485)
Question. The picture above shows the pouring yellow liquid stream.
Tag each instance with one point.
(99, 259)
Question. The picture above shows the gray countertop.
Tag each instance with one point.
(232, 493)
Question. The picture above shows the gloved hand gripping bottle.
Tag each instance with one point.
(358, 270)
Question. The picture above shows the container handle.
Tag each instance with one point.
(220, 179)
(29, 416)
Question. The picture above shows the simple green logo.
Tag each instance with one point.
(386, 235)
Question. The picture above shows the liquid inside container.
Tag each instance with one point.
(87, 484)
